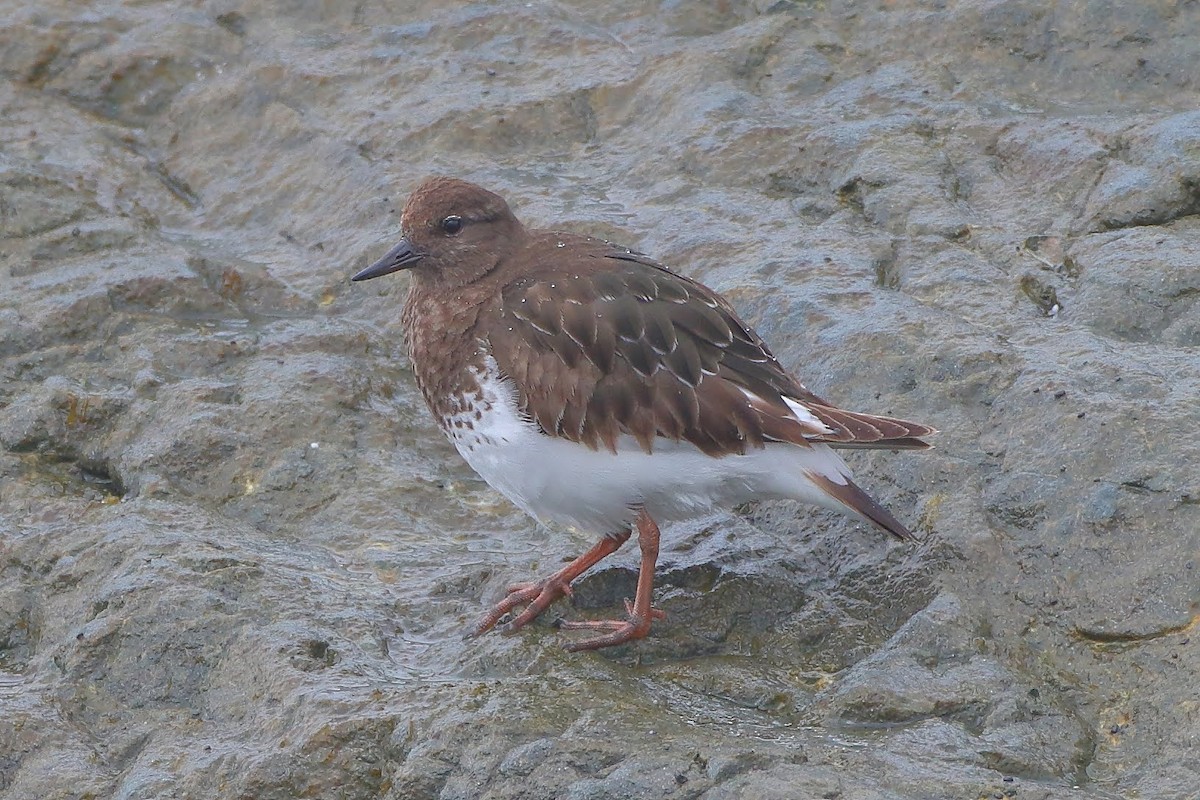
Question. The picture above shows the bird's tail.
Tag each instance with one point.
(854, 499)
(852, 429)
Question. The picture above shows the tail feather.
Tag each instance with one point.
(855, 429)
(903, 443)
(850, 495)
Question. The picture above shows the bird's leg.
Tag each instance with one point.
(640, 614)
(540, 594)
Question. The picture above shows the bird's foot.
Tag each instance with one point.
(635, 626)
(536, 597)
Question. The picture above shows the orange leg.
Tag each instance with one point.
(540, 594)
(640, 613)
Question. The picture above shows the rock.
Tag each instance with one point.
(237, 559)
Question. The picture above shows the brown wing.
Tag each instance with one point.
(628, 347)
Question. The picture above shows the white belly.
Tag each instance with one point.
(556, 480)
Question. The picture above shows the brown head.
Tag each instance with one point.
(453, 232)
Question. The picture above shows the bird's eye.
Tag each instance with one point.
(452, 224)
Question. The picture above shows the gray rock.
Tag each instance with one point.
(236, 558)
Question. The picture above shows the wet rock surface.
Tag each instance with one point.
(236, 558)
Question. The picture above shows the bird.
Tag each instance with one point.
(597, 389)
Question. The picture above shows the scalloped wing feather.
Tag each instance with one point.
(630, 347)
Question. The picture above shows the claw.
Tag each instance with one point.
(640, 613)
(635, 626)
(621, 632)
(655, 613)
(538, 596)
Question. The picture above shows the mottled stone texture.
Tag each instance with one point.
(236, 557)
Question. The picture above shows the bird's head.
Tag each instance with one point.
(452, 232)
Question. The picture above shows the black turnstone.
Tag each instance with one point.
(593, 387)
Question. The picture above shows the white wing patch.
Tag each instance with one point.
(804, 415)
(799, 411)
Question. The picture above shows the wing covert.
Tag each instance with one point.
(632, 348)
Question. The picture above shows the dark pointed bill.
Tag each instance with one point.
(399, 257)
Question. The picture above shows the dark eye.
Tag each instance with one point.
(452, 224)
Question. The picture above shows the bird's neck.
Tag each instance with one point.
(441, 327)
